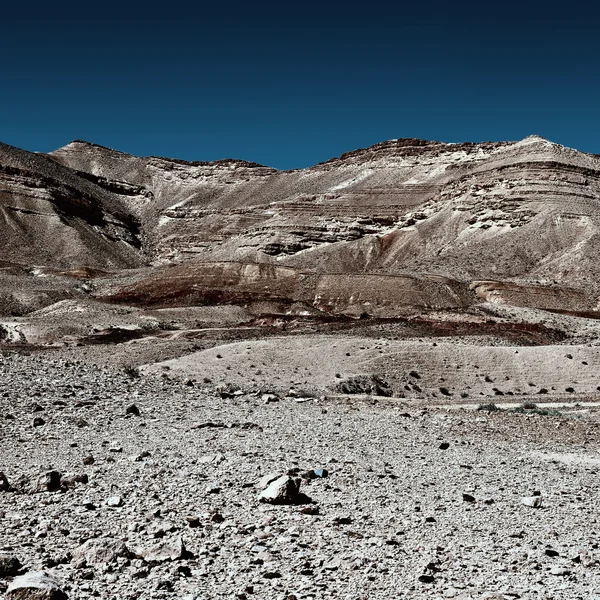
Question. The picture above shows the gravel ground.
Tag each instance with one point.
(418, 503)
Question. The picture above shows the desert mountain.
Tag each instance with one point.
(406, 224)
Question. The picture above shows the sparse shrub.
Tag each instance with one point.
(489, 407)
(530, 408)
(365, 384)
(131, 371)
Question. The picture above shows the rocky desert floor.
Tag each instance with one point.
(144, 483)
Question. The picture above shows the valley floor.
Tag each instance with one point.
(419, 502)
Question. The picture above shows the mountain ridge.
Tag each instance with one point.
(513, 215)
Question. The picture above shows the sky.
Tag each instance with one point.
(290, 84)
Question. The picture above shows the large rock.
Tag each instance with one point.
(9, 566)
(48, 482)
(99, 551)
(37, 585)
(163, 551)
(285, 490)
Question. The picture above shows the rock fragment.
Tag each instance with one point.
(99, 551)
(284, 490)
(164, 551)
(269, 398)
(70, 480)
(9, 566)
(4, 484)
(48, 482)
(532, 501)
(315, 474)
(37, 585)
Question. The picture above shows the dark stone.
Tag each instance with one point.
(4, 485)
(9, 566)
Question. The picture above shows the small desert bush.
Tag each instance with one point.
(489, 407)
(131, 371)
(530, 408)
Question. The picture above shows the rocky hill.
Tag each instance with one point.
(404, 225)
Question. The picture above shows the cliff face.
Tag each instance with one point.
(432, 224)
(50, 216)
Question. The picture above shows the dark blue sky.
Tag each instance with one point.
(290, 84)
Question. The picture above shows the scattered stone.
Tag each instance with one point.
(532, 501)
(315, 474)
(193, 521)
(270, 398)
(37, 585)
(468, 498)
(88, 460)
(444, 446)
(4, 484)
(559, 571)
(70, 480)
(285, 490)
(271, 574)
(99, 551)
(213, 488)
(132, 409)
(309, 510)
(114, 501)
(48, 482)
(167, 550)
(211, 458)
(141, 456)
(38, 422)
(9, 566)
